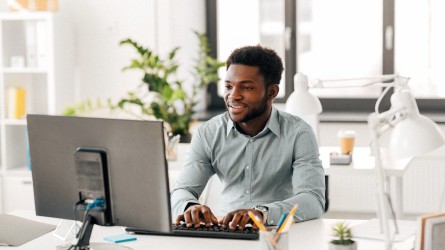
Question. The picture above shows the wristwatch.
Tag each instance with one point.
(264, 210)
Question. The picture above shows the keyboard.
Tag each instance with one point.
(215, 231)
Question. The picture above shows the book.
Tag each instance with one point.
(424, 230)
(15, 103)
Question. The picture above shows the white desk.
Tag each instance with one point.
(362, 164)
(310, 235)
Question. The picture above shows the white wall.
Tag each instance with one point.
(100, 25)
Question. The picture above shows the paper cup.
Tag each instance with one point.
(347, 140)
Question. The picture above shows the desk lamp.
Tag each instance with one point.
(412, 134)
(304, 104)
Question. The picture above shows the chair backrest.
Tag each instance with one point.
(326, 192)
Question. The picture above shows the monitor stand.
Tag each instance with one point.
(95, 246)
(83, 240)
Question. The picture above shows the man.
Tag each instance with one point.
(267, 160)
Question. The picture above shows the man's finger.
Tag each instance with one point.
(235, 220)
(227, 219)
(188, 218)
(179, 219)
(206, 216)
(244, 220)
(196, 217)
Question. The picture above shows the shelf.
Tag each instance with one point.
(47, 85)
(24, 70)
(20, 122)
(25, 15)
(18, 171)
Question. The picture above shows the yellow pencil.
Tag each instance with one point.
(287, 221)
(288, 218)
(257, 223)
(262, 228)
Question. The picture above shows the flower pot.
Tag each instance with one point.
(352, 246)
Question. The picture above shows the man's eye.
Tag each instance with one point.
(228, 87)
(248, 88)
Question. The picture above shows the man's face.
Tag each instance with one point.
(245, 93)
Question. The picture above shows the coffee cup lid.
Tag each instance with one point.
(346, 133)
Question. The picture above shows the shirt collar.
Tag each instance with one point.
(273, 124)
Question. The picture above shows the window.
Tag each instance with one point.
(419, 46)
(233, 23)
(330, 39)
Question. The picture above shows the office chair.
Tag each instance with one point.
(326, 193)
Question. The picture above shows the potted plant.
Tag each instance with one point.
(343, 239)
(161, 94)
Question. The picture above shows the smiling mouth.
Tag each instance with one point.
(235, 106)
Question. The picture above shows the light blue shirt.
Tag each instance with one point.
(278, 168)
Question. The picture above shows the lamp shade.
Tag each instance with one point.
(301, 101)
(414, 136)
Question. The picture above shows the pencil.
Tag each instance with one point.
(257, 223)
(283, 217)
(286, 224)
(288, 218)
(262, 228)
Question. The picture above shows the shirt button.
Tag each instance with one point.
(251, 140)
(247, 167)
(247, 191)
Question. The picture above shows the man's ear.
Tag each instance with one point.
(273, 91)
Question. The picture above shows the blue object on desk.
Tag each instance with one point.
(283, 217)
(120, 238)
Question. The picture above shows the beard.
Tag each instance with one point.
(254, 112)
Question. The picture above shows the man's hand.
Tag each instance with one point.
(197, 214)
(239, 218)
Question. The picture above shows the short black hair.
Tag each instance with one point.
(268, 61)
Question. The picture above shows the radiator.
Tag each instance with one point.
(423, 189)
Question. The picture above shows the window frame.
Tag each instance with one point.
(330, 105)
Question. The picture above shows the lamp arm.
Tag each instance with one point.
(374, 80)
(379, 123)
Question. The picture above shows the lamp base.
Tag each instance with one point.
(371, 230)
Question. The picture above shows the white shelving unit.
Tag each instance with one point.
(42, 43)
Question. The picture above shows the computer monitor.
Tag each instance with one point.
(122, 161)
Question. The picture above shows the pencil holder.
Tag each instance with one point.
(270, 240)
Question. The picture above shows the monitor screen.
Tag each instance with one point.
(136, 186)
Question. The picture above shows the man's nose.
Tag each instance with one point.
(235, 94)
